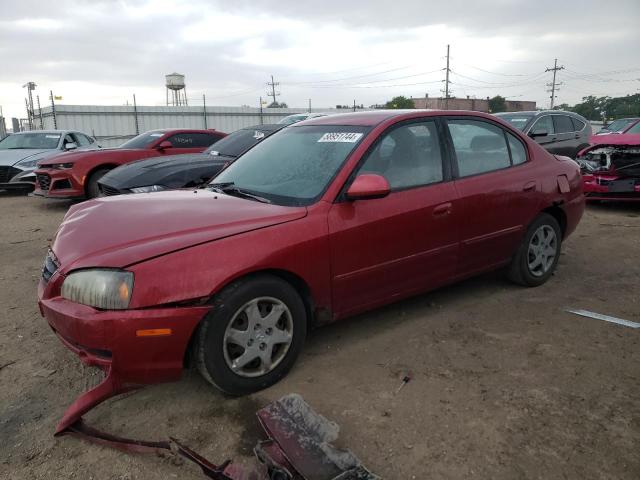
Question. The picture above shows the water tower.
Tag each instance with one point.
(175, 84)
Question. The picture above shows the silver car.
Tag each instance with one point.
(20, 153)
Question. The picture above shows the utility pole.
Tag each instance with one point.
(261, 119)
(554, 86)
(273, 86)
(309, 105)
(53, 111)
(204, 110)
(354, 105)
(446, 83)
(39, 113)
(135, 114)
(30, 86)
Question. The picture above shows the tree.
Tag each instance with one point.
(497, 104)
(399, 102)
(277, 105)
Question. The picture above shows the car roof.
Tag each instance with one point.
(371, 118)
(44, 131)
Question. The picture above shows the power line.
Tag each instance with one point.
(348, 78)
(554, 86)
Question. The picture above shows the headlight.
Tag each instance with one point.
(148, 188)
(57, 166)
(100, 288)
(27, 163)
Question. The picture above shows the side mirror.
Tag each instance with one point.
(164, 145)
(368, 185)
(70, 146)
(538, 133)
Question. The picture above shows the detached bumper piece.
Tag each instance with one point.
(298, 446)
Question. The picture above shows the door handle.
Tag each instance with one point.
(529, 187)
(442, 210)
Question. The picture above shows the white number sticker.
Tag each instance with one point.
(340, 137)
(52, 136)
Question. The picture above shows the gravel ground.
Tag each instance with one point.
(505, 384)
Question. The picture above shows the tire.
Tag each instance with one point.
(92, 189)
(229, 354)
(533, 264)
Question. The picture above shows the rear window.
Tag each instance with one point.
(577, 124)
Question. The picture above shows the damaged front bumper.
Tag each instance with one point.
(611, 172)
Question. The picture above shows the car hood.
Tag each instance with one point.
(615, 139)
(162, 170)
(11, 157)
(126, 229)
(75, 156)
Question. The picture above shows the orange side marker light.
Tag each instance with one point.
(154, 332)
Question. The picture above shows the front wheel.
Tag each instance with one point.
(92, 188)
(538, 254)
(252, 336)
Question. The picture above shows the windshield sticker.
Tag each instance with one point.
(53, 136)
(156, 134)
(340, 137)
(258, 135)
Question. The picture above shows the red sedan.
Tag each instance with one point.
(325, 219)
(76, 175)
(611, 167)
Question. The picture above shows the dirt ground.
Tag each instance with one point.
(506, 385)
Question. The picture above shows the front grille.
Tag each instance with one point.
(49, 266)
(7, 173)
(44, 181)
(107, 190)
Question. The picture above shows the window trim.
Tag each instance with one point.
(447, 174)
(454, 158)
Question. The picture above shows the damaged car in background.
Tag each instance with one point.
(611, 168)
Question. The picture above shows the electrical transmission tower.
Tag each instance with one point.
(447, 91)
(273, 84)
(554, 85)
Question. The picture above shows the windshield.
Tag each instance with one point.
(238, 142)
(143, 140)
(34, 141)
(293, 119)
(619, 125)
(518, 120)
(295, 165)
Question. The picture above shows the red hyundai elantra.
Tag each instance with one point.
(325, 219)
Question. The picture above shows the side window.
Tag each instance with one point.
(407, 156)
(81, 140)
(562, 124)
(480, 147)
(192, 140)
(68, 139)
(518, 152)
(578, 125)
(634, 129)
(544, 124)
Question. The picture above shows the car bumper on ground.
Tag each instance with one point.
(53, 183)
(611, 187)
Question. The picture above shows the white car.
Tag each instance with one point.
(20, 153)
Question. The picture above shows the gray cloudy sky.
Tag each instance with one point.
(101, 52)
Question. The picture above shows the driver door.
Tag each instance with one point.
(388, 248)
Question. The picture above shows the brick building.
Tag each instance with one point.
(475, 104)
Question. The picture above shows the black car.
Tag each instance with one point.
(559, 132)
(183, 171)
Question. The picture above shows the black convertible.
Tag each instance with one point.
(183, 171)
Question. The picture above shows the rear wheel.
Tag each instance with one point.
(252, 336)
(92, 188)
(538, 254)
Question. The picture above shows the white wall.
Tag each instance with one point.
(112, 125)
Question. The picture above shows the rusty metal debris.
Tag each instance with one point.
(298, 447)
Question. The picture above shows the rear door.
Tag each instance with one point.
(387, 248)
(548, 141)
(567, 139)
(498, 186)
